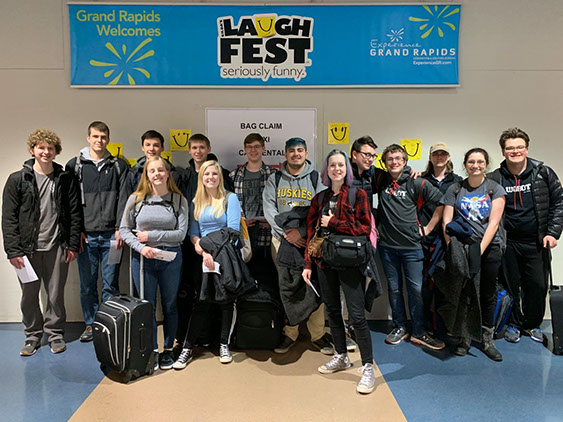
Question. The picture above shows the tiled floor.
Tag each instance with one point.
(428, 386)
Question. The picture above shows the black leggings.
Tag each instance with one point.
(352, 282)
(490, 265)
(199, 318)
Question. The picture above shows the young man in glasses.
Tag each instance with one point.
(533, 222)
(400, 243)
(249, 181)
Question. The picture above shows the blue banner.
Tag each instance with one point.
(264, 46)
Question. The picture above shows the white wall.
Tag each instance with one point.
(511, 74)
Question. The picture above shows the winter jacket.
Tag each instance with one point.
(235, 278)
(298, 299)
(547, 196)
(458, 278)
(291, 191)
(134, 177)
(100, 185)
(21, 211)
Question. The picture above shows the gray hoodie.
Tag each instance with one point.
(292, 191)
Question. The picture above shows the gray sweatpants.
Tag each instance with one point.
(52, 271)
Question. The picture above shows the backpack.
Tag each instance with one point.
(175, 204)
(78, 172)
(314, 181)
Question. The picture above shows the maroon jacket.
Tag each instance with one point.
(345, 221)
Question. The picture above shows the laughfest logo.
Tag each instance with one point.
(264, 47)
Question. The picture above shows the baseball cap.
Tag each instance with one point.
(440, 146)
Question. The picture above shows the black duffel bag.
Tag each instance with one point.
(342, 251)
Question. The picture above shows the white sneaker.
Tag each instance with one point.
(367, 382)
(225, 355)
(183, 359)
(338, 363)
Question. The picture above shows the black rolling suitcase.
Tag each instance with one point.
(556, 306)
(259, 321)
(123, 333)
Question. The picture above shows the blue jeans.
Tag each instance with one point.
(167, 276)
(94, 255)
(395, 262)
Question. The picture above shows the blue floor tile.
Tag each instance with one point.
(439, 386)
(44, 386)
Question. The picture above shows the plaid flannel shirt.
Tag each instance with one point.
(237, 176)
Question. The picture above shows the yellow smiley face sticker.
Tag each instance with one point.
(167, 155)
(338, 133)
(116, 149)
(378, 162)
(413, 148)
(179, 139)
(265, 25)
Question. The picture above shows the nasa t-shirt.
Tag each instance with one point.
(474, 205)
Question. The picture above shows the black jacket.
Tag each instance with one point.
(100, 190)
(548, 198)
(367, 181)
(190, 179)
(427, 209)
(21, 209)
(134, 177)
(235, 279)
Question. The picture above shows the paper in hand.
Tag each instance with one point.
(114, 253)
(216, 269)
(167, 256)
(27, 273)
(315, 290)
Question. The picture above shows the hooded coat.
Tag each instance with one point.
(21, 208)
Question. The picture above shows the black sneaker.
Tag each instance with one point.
(285, 345)
(166, 361)
(324, 345)
(427, 341)
(29, 348)
(183, 359)
(87, 335)
(58, 346)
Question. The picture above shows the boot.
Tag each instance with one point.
(488, 345)
(463, 347)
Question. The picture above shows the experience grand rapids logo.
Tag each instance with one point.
(264, 46)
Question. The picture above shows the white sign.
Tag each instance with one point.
(227, 128)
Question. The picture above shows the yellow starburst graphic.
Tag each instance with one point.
(437, 17)
(126, 63)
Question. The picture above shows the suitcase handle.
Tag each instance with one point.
(549, 272)
(141, 274)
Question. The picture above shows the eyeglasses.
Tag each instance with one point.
(516, 148)
(367, 155)
(254, 147)
(397, 159)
